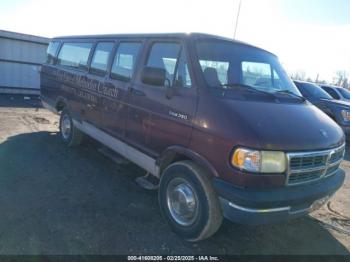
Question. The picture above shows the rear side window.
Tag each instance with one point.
(101, 56)
(51, 52)
(74, 55)
(124, 61)
(165, 56)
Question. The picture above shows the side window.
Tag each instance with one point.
(124, 61)
(51, 52)
(101, 56)
(74, 55)
(165, 56)
(183, 78)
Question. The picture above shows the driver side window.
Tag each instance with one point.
(165, 56)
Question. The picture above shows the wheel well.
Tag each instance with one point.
(171, 158)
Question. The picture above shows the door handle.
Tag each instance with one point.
(136, 92)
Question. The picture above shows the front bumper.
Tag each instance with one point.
(263, 206)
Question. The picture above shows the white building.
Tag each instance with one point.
(20, 58)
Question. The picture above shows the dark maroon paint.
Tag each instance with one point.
(216, 124)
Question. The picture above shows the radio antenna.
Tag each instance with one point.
(237, 17)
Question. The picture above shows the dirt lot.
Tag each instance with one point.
(57, 200)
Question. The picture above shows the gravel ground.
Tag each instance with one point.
(58, 200)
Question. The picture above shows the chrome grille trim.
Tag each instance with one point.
(296, 171)
(321, 161)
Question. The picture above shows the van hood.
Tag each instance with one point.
(287, 126)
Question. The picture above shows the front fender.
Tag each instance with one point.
(167, 156)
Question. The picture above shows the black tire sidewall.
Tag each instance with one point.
(181, 171)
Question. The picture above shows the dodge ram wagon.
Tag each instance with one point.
(217, 122)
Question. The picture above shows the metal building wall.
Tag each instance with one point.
(20, 59)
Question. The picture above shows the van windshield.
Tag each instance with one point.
(311, 90)
(229, 65)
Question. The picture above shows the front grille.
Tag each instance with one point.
(331, 170)
(304, 177)
(336, 156)
(311, 166)
(307, 162)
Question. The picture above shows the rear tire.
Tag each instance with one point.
(188, 201)
(70, 135)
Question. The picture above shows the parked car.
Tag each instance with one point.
(337, 92)
(217, 122)
(338, 110)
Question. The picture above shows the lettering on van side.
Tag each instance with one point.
(86, 84)
(80, 93)
(178, 115)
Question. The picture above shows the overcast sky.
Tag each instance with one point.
(310, 35)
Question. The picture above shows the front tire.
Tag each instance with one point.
(70, 135)
(188, 201)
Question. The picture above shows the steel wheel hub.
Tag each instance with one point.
(182, 202)
(66, 127)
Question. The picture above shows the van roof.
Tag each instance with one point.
(169, 35)
(195, 36)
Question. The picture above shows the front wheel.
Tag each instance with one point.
(188, 201)
(69, 133)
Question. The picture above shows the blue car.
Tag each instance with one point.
(337, 92)
(338, 110)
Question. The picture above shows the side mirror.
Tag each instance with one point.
(153, 76)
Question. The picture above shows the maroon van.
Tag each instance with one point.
(217, 122)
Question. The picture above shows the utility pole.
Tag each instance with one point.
(237, 17)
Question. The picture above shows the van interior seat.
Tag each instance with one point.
(211, 76)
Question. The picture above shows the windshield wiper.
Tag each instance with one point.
(288, 92)
(248, 87)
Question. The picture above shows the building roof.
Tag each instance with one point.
(24, 37)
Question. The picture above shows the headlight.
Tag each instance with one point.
(346, 115)
(259, 161)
